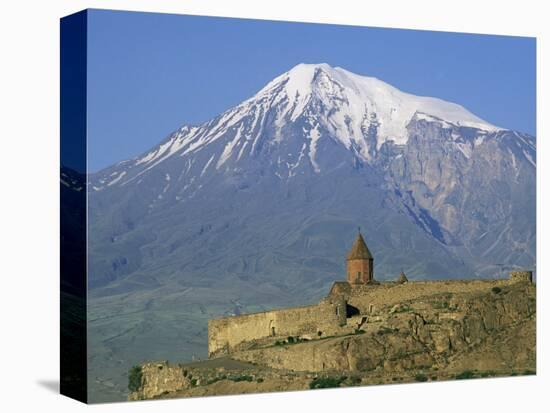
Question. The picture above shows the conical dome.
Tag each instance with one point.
(402, 278)
(359, 250)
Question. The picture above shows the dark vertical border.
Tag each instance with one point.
(73, 53)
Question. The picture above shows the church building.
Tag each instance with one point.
(360, 263)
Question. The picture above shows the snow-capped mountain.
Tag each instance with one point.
(361, 113)
(431, 170)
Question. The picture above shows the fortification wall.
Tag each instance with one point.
(226, 333)
(516, 276)
(369, 298)
(329, 316)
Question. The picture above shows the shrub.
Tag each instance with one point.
(529, 372)
(359, 331)
(260, 380)
(387, 330)
(402, 309)
(496, 290)
(193, 382)
(134, 378)
(440, 305)
(326, 382)
(319, 333)
(290, 339)
(216, 379)
(421, 377)
(354, 380)
(244, 377)
(466, 374)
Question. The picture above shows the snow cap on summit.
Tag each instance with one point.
(355, 96)
(306, 107)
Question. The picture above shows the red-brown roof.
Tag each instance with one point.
(359, 250)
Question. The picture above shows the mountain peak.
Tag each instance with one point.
(352, 98)
(301, 112)
(304, 67)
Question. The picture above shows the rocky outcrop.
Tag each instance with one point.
(159, 378)
(434, 332)
(220, 376)
(438, 176)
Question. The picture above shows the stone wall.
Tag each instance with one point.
(369, 298)
(224, 334)
(329, 316)
(516, 276)
(161, 378)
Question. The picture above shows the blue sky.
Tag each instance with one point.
(149, 74)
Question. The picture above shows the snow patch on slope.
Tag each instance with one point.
(228, 150)
(118, 178)
(314, 136)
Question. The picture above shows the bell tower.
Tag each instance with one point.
(360, 262)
